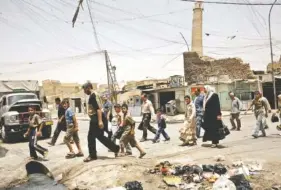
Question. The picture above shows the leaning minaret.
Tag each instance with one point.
(197, 27)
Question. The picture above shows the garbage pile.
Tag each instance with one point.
(216, 177)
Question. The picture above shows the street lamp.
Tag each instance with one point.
(271, 54)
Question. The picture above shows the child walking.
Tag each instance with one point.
(161, 127)
(128, 136)
(71, 132)
(34, 131)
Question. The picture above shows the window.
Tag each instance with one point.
(13, 99)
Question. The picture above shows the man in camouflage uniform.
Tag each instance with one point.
(261, 113)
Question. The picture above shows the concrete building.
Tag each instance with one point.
(197, 29)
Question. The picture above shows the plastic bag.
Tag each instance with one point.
(241, 182)
(274, 118)
(133, 185)
(223, 184)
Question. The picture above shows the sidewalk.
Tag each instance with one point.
(169, 119)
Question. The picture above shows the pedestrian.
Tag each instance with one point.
(96, 128)
(107, 116)
(188, 131)
(161, 123)
(61, 125)
(147, 111)
(34, 131)
(236, 106)
(71, 132)
(269, 111)
(212, 123)
(117, 135)
(128, 136)
(261, 112)
(279, 112)
(199, 111)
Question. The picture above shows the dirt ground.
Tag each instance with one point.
(108, 172)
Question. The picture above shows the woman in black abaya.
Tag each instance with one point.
(212, 117)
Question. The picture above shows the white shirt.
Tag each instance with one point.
(147, 107)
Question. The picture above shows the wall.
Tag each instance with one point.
(197, 70)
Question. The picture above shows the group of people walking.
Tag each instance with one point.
(204, 113)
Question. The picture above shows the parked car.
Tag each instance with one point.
(14, 115)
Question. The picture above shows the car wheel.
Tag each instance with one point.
(47, 131)
(4, 135)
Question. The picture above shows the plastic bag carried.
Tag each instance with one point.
(224, 184)
(274, 118)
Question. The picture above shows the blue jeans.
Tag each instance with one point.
(199, 121)
(160, 131)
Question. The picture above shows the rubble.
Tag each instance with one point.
(197, 70)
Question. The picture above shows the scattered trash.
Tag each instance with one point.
(133, 185)
(172, 180)
(241, 182)
(224, 184)
(203, 177)
(276, 187)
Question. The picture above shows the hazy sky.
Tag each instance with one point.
(141, 37)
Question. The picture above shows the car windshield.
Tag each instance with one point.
(13, 99)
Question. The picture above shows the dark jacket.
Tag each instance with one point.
(211, 124)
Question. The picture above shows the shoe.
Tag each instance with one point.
(214, 146)
(128, 154)
(255, 136)
(168, 139)
(142, 140)
(80, 154)
(50, 143)
(238, 130)
(233, 128)
(155, 141)
(142, 155)
(45, 155)
(89, 159)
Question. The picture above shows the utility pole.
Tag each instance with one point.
(107, 73)
(271, 54)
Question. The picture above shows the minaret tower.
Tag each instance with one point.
(197, 28)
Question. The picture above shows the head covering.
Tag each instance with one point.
(117, 106)
(210, 91)
(209, 88)
(231, 94)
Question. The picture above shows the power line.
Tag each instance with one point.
(93, 25)
(230, 3)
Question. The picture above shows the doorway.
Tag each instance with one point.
(165, 97)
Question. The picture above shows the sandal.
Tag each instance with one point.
(70, 155)
(80, 154)
(89, 159)
(128, 154)
(121, 154)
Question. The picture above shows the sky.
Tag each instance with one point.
(142, 37)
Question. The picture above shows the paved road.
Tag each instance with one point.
(239, 142)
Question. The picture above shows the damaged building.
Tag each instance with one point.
(198, 70)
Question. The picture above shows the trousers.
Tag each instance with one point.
(260, 117)
(199, 121)
(160, 131)
(33, 146)
(117, 135)
(235, 116)
(60, 127)
(145, 125)
(96, 133)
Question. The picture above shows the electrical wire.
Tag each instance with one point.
(229, 3)
(93, 25)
